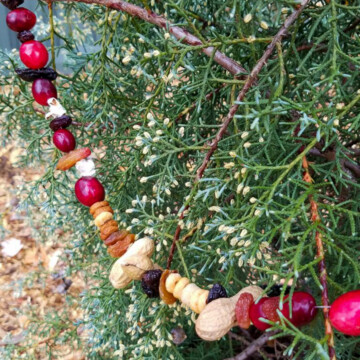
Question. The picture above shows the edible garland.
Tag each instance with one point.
(218, 313)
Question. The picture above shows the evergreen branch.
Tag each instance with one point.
(181, 34)
(315, 219)
(247, 86)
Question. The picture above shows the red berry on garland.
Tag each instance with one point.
(345, 313)
(89, 190)
(43, 90)
(34, 54)
(20, 19)
(64, 140)
(303, 310)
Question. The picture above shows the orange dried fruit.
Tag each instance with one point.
(102, 209)
(115, 237)
(109, 230)
(166, 296)
(97, 205)
(242, 309)
(70, 159)
(119, 248)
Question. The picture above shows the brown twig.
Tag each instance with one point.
(315, 219)
(248, 84)
(253, 347)
(181, 34)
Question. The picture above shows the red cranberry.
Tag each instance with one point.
(43, 90)
(64, 140)
(345, 313)
(20, 19)
(303, 310)
(89, 190)
(34, 54)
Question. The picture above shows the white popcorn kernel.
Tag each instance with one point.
(336, 122)
(232, 154)
(55, 109)
(166, 36)
(156, 53)
(147, 55)
(253, 200)
(247, 145)
(144, 179)
(246, 190)
(215, 208)
(85, 167)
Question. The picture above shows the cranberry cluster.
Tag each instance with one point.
(35, 57)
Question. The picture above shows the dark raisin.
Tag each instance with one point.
(216, 292)
(150, 283)
(25, 36)
(61, 122)
(11, 4)
(275, 290)
(32, 75)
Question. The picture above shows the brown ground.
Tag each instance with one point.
(47, 293)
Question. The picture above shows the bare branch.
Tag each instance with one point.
(253, 347)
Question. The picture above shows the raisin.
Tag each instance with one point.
(25, 36)
(31, 74)
(216, 292)
(61, 122)
(11, 4)
(150, 283)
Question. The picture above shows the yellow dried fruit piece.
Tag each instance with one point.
(179, 287)
(102, 218)
(187, 293)
(171, 281)
(194, 301)
(201, 303)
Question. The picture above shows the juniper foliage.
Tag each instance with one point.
(139, 97)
